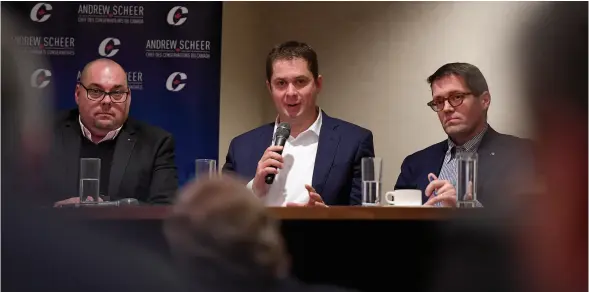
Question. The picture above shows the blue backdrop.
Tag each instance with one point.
(171, 51)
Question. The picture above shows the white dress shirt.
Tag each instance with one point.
(298, 165)
(86, 133)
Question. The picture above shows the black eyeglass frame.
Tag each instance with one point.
(104, 93)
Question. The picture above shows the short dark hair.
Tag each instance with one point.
(290, 50)
(474, 79)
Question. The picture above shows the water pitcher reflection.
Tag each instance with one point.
(89, 180)
(371, 180)
(466, 186)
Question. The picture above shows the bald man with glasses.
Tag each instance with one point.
(461, 99)
(137, 160)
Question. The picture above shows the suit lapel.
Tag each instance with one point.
(438, 162)
(326, 150)
(434, 163)
(120, 159)
(486, 157)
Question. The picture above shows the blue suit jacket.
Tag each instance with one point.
(337, 174)
(505, 164)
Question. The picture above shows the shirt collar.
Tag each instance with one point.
(86, 133)
(473, 143)
(315, 127)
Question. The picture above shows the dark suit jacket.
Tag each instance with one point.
(337, 174)
(505, 164)
(142, 167)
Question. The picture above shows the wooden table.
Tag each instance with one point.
(283, 213)
(356, 247)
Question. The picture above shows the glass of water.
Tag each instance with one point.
(205, 168)
(89, 180)
(466, 186)
(371, 180)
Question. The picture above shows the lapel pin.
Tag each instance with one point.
(492, 153)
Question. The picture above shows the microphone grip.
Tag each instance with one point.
(270, 177)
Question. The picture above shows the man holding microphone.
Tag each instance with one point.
(304, 158)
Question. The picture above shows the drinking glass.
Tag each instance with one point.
(89, 180)
(371, 181)
(466, 186)
(205, 168)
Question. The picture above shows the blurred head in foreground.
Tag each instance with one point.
(61, 253)
(539, 245)
(220, 231)
(26, 110)
(553, 236)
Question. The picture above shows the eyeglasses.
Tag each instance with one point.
(94, 94)
(455, 100)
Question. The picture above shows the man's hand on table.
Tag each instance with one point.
(315, 199)
(445, 193)
(440, 191)
(73, 200)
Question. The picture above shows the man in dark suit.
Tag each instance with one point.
(321, 160)
(461, 99)
(137, 160)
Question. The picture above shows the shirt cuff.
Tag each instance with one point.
(249, 185)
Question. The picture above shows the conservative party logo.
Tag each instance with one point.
(47, 45)
(177, 15)
(182, 49)
(176, 81)
(109, 47)
(110, 13)
(40, 78)
(41, 12)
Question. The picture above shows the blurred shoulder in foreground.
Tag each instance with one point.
(539, 245)
(42, 251)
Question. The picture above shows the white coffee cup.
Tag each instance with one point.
(403, 198)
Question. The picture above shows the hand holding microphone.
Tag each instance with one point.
(271, 161)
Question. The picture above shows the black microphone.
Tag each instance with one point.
(282, 134)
